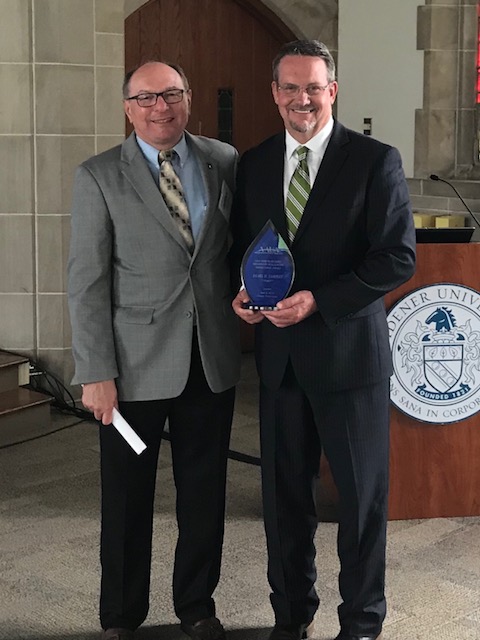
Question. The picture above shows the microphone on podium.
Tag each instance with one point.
(438, 179)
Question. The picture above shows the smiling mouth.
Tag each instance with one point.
(162, 120)
(307, 110)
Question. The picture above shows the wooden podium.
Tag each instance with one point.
(434, 469)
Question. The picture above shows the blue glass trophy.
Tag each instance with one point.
(267, 270)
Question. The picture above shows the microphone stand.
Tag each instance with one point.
(436, 178)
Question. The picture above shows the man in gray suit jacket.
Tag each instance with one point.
(154, 335)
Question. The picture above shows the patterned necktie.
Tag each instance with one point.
(172, 192)
(298, 192)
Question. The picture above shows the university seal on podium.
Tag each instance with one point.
(435, 341)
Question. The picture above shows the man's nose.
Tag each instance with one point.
(303, 97)
(160, 105)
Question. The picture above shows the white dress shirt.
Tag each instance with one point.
(316, 146)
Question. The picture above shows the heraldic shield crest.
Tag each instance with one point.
(443, 355)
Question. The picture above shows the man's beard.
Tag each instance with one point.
(302, 128)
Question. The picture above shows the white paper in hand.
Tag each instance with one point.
(125, 430)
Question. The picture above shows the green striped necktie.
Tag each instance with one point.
(298, 192)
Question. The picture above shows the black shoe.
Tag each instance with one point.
(292, 632)
(349, 636)
(117, 634)
(208, 629)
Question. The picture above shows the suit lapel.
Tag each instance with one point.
(333, 160)
(274, 188)
(208, 166)
(136, 171)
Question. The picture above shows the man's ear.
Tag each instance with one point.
(126, 108)
(275, 92)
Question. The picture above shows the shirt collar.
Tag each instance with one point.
(151, 154)
(317, 144)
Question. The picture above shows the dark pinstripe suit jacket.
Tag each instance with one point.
(355, 243)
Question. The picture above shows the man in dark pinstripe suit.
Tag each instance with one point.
(323, 356)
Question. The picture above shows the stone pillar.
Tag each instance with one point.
(61, 71)
(445, 128)
(17, 239)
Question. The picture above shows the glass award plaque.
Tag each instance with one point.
(267, 269)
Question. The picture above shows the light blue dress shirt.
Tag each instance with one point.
(186, 167)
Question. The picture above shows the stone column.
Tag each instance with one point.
(445, 128)
(61, 67)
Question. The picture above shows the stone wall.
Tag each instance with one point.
(61, 68)
(446, 138)
(446, 141)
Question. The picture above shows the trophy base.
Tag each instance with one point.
(258, 307)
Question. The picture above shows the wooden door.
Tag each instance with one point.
(226, 48)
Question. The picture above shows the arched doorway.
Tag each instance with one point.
(226, 48)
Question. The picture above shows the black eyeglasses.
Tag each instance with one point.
(171, 96)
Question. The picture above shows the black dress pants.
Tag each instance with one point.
(199, 425)
(353, 429)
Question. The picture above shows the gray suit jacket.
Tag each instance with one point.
(134, 290)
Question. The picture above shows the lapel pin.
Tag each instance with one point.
(210, 166)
